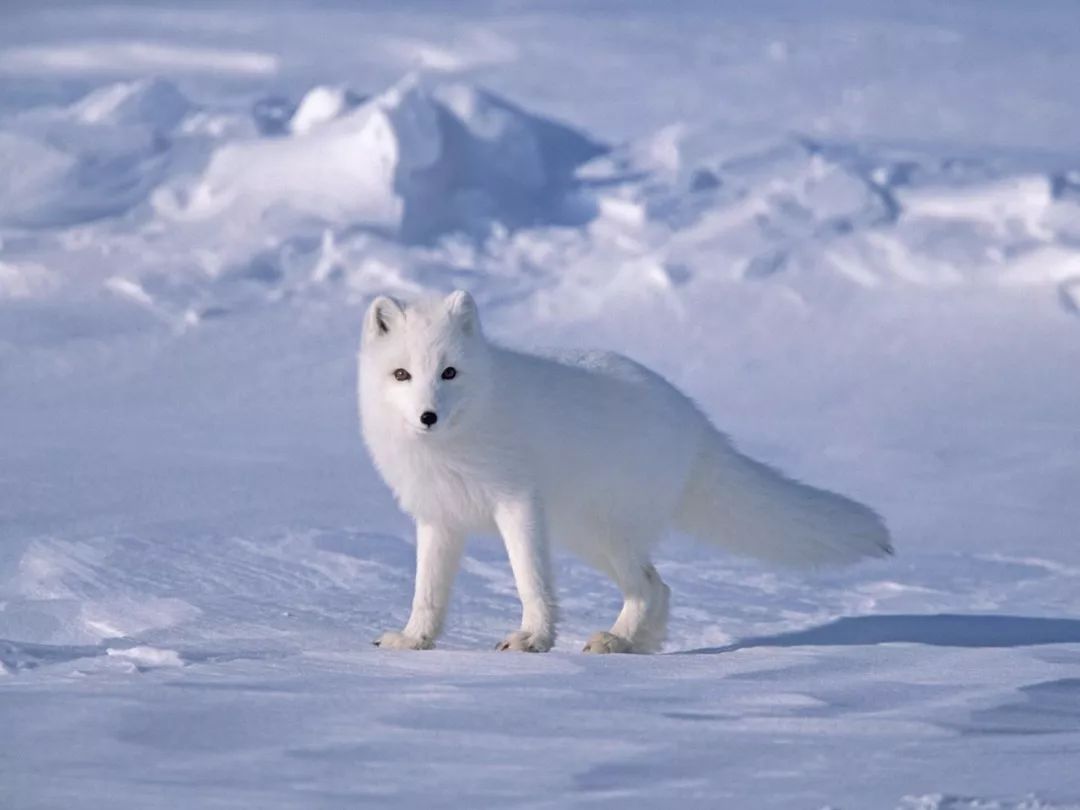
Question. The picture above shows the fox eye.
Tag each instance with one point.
(449, 373)
(401, 375)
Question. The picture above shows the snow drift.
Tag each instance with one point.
(433, 182)
(411, 162)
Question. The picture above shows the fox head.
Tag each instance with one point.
(423, 366)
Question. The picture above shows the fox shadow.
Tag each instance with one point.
(939, 630)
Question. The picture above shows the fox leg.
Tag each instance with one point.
(521, 524)
(642, 624)
(438, 555)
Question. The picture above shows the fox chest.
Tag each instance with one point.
(440, 491)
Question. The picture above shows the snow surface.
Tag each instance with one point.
(851, 231)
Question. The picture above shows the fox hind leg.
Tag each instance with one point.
(642, 623)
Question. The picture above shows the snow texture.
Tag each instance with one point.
(850, 232)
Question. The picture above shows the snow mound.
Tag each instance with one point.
(145, 656)
(824, 216)
(414, 161)
(150, 102)
(99, 157)
(321, 104)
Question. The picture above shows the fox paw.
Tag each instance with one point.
(393, 640)
(603, 642)
(521, 641)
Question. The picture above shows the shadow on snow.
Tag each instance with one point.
(940, 630)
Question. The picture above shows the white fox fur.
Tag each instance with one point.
(588, 450)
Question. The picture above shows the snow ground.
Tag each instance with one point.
(852, 232)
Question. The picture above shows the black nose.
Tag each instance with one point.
(429, 418)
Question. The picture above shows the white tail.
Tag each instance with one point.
(750, 508)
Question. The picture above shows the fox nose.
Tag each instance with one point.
(429, 418)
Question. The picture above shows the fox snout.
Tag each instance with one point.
(428, 419)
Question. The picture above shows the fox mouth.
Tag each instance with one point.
(444, 424)
(420, 429)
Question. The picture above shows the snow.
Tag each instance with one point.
(410, 161)
(849, 231)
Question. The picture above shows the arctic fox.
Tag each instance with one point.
(588, 450)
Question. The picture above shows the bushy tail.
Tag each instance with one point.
(750, 508)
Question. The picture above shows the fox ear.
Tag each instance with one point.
(462, 309)
(383, 316)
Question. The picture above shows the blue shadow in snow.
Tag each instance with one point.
(939, 630)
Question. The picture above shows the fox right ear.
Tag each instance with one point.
(383, 316)
(462, 308)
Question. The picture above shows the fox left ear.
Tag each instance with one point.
(383, 316)
(462, 309)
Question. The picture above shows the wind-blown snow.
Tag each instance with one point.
(851, 234)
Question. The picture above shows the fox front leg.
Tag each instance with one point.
(438, 555)
(521, 524)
